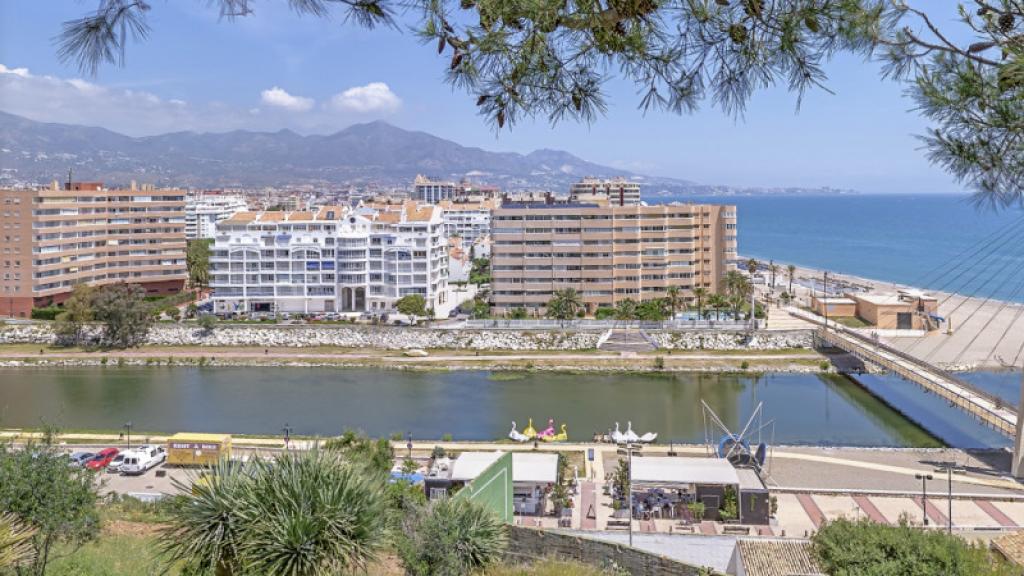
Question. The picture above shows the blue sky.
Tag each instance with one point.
(276, 70)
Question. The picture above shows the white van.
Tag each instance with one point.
(138, 460)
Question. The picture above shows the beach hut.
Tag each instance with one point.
(191, 449)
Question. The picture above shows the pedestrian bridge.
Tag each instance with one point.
(986, 407)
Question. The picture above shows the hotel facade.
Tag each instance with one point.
(607, 253)
(58, 237)
(331, 259)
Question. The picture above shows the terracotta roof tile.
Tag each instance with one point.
(778, 558)
(1011, 546)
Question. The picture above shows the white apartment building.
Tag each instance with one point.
(204, 211)
(433, 191)
(470, 221)
(332, 259)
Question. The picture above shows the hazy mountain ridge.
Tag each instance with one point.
(36, 152)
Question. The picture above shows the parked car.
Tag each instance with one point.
(102, 459)
(115, 464)
(78, 459)
(140, 460)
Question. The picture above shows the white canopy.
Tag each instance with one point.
(536, 467)
(469, 465)
(672, 470)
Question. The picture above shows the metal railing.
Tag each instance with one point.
(584, 324)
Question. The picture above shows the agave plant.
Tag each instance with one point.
(15, 542)
(302, 514)
(453, 536)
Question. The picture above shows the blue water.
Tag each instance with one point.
(895, 238)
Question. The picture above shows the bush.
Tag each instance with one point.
(744, 365)
(47, 313)
(451, 537)
(696, 510)
(208, 322)
(659, 363)
(604, 313)
(847, 548)
(824, 365)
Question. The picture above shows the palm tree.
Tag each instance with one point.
(565, 304)
(717, 302)
(752, 266)
(15, 542)
(309, 513)
(625, 309)
(737, 288)
(792, 272)
(774, 269)
(673, 297)
(699, 293)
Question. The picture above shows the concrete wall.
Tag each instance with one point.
(530, 544)
(493, 488)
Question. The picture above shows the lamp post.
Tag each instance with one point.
(287, 435)
(948, 469)
(924, 478)
(408, 443)
(128, 428)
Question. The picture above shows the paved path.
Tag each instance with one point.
(996, 514)
(869, 508)
(588, 506)
(811, 508)
(933, 512)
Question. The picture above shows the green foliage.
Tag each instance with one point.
(78, 312)
(376, 455)
(55, 500)
(308, 513)
(654, 310)
(864, 548)
(112, 555)
(604, 313)
(437, 452)
(625, 309)
(412, 305)
(564, 304)
(207, 322)
(451, 537)
(481, 309)
(47, 313)
(197, 262)
(744, 365)
(659, 363)
(729, 509)
(124, 313)
(620, 479)
(518, 314)
(480, 272)
(15, 542)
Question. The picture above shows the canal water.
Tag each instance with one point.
(470, 405)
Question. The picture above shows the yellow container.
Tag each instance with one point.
(185, 449)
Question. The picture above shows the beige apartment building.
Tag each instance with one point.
(57, 237)
(607, 253)
(617, 191)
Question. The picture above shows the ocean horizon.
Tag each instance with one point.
(922, 240)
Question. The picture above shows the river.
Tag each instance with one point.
(469, 405)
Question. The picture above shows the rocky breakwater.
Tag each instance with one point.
(306, 336)
(733, 340)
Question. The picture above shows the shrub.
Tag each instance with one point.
(446, 437)
(696, 510)
(744, 365)
(824, 365)
(47, 313)
(659, 363)
(452, 536)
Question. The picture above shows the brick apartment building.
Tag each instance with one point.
(607, 253)
(57, 237)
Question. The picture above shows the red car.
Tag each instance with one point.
(101, 459)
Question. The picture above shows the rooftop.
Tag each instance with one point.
(469, 465)
(891, 299)
(538, 467)
(763, 557)
(673, 470)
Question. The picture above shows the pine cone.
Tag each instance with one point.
(1006, 22)
(738, 33)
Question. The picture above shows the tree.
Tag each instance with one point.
(480, 272)
(305, 512)
(846, 547)
(564, 304)
(412, 305)
(737, 289)
(625, 309)
(207, 322)
(197, 262)
(791, 270)
(699, 293)
(652, 310)
(774, 269)
(752, 265)
(125, 314)
(451, 537)
(56, 501)
(717, 302)
(518, 313)
(673, 297)
(552, 58)
(78, 312)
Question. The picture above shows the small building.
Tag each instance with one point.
(704, 480)
(906, 310)
(482, 477)
(189, 449)
(534, 474)
(833, 306)
(774, 557)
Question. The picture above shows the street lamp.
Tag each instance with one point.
(924, 478)
(628, 450)
(128, 428)
(287, 435)
(948, 469)
(408, 443)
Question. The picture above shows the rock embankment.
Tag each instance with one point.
(708, 340)
(383, 338)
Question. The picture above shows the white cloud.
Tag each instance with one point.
(23, 72)
(282, 99)
(374, 97)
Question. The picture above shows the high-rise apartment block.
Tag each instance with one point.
(470, 221)
(432, 192)
(331, 259)
(607, 253)
(204, 210)
(81, 232)
(618, 191)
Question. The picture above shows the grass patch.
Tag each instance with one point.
(849, 321)
(112, 555)
(548, 568)
(506, 376)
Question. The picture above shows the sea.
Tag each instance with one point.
(934, 241)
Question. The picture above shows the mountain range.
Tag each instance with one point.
(377, 153)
